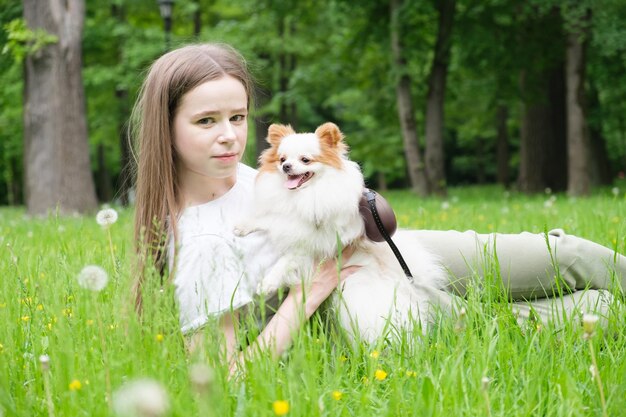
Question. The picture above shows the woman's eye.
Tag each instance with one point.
(205, 121)
(305, 160)
(238, 118)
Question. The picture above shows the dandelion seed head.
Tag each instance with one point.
(280, 407)
(484, 382)
(141, 398)
(44, 360)
(93, 278)
(201, 377)
(106, 217)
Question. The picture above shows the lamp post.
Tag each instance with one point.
(165, 7)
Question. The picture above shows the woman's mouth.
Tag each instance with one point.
(227, 157)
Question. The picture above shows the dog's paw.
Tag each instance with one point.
(265, 287)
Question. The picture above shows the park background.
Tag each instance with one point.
(488, 115)
(431, 94)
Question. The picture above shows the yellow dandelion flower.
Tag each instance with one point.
(113, 326)
(375, 354)
(380, 375)
(75, 385)
(42, 275)
(337, 395)
(25, 318)
(411, 374)
(280, 407)
(1, 347)
(67, 312)
(39, 307)
(159, 337)
(89, 322)
(49, 326)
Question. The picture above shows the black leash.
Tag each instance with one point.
(371, 200)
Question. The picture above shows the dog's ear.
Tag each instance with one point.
(329, 133)
(276, 132)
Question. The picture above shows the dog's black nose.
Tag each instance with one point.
(286, 168)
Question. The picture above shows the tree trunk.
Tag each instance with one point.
(57, 168)
(543, 163)
(533, 131)
(579, 172)
(406, 112)
(502, 146)
(434, 156)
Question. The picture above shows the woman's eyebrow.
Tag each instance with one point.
(205, 113)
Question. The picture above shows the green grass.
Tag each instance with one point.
(94, 340)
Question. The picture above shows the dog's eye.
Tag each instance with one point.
(305, 160)
(282, 159)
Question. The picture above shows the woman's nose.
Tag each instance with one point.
(228, 133)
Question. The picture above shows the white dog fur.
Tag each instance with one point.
(307, 197)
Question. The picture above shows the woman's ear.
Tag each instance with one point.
(330, 134)
(277, 132)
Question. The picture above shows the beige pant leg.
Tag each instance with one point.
(525, 265)
(569, 307)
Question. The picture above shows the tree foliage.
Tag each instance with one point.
(331, 60)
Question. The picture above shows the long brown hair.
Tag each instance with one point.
(157, 198)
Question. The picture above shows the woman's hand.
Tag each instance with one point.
(330, 273)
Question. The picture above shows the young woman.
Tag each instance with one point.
(191, 128)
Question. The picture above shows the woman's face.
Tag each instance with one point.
(210, 129)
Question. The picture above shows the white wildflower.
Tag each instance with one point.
(589, 324)
(141, 398)
(548, 190)
(445, 205)
(106, 217)
(615, 191)
(93, 278)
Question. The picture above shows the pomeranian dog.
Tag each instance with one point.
(307, 195)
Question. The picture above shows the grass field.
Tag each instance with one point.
(488, 366)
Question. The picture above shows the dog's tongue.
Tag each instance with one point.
(293, 181)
